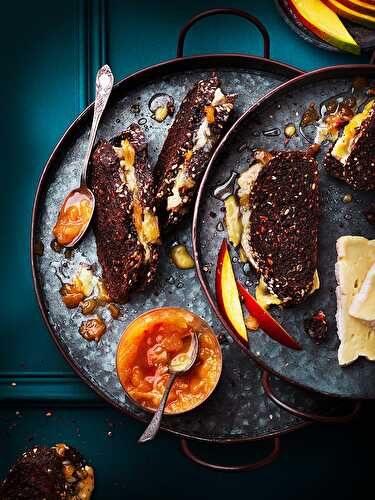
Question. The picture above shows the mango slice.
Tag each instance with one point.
(353, 15)
(324, 23)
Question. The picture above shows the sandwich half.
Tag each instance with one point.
(125, 222)
(188, 148)
(279, 202)
(352, 157)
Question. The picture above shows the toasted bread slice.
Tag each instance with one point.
(126, 227)
(352, 158)
(188, 148)
(280, 204)
(49, 473)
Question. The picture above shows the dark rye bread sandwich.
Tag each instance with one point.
(59, 472)
(352, 157)
(125, 225)
(188, 148)
(280, 213)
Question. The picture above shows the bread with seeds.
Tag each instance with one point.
(59, 472)
(190, 143)
(352, 157)
(125, 224)
(279, 202)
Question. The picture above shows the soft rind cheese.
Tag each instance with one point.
(355, 257)
(363, 305)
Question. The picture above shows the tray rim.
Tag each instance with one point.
(174, 64)
(310, 76)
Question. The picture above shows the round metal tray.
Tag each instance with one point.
(315, 367)
(239, 409)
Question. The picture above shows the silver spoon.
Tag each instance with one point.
(104, 84)
(178, 365)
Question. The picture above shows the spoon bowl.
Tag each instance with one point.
(77, 227)
(182, 362)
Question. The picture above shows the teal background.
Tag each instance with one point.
(51, 52)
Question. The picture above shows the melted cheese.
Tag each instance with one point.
(145, 222)
(344, 145)
(219, 98)
(264, 297)
(355, 257)
(202, 139)
(182, 181)
(246, 182)
(85, 280)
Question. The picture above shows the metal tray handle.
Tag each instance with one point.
(309, 416)
(234, 12)
(232, 468)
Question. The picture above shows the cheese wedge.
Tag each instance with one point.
(363, 305)
(356, 255)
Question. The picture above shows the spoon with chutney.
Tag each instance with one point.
(78, 207)
(178, 365)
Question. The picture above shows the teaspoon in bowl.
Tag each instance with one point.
(178, 365)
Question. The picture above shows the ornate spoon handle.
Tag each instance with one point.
(104, 84)
(154, 425)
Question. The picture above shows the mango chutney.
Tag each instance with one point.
(148, 345)
(73, 217)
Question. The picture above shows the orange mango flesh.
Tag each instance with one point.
(227, 293)
(354, 16)
(324, 23)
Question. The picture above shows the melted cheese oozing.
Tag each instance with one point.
(264, 297)
(182, 181)
(355, 257)
(145, 222)
(344, 144)
(245, 183)
(202, 139)
(85, 280)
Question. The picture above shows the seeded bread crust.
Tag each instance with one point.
(120, 253)
(37, 474)
(180, 140)
(283, 232)
(359, 169)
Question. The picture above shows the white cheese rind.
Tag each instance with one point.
(355, 256)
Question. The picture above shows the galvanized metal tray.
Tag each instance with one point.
(315, 367)
(239, 409)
